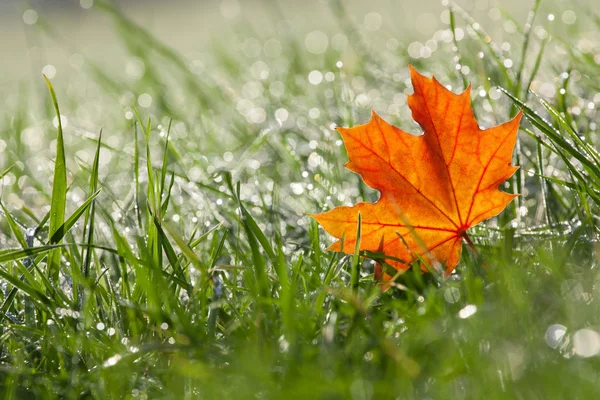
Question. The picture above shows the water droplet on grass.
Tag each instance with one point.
(112, 360)
(315, 77)
(467, 311)
(586, 343)
(30, 17)
(316, 42)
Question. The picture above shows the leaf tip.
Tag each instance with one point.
(48, 83)
(375, 116)
(317, 217)
(468, 89)
(519, 115)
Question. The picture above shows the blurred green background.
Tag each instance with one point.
(191, 26)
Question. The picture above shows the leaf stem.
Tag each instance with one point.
(472, 247)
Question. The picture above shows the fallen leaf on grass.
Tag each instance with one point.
(433, 187)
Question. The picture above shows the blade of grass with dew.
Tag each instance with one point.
(356, 259)
(555, 136)
(14, 227)
(90, 215)
(261, 281)
(527, 32)
(455, 41)
(536, 67)
(250, 223)
(136, 174)
(62, 230)
(165, 203)
(163, 172)
(187, 250)
(59, 189)
(21, 285)
(214, 308)
(170, 252)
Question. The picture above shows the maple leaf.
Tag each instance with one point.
(433, 186)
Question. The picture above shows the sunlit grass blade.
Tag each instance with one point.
(14, 227)
(12, 255)
(250, 223)
(21, 285)
(455, 41)
(62, 230)
(163, 172)
(524, 49)
(90, 215)
(585, 147)
(356, 259)
(186, 250)
(261, 282)
(136, 175)
(561, 144)
(165, 203)
(59, 189)
(6, 171)
(169, 251)
(536, 66)
(201, 238)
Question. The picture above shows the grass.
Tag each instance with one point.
(171, 255)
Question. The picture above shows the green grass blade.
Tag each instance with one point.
(525, 47)
(251, 224)
(186, 250)
(165, 203)
(168, 248)
(356, 258)
(19, 284)
(136, 175)
(458, 60)
(163, 172)
(14, 227)
(59, 189)
(90, 215)
(72, 220)
(12, 255)
(555, 136)
(536, 67)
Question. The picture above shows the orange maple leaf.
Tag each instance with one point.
(433, 187)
